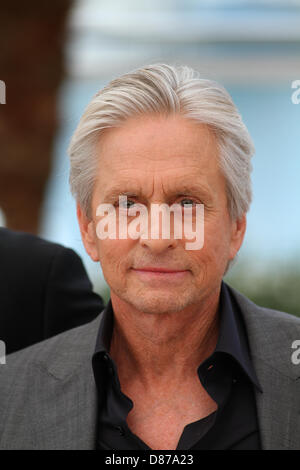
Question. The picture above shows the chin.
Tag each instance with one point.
(157, 303)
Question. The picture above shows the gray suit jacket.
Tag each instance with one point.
(48, 395)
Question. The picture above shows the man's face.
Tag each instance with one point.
(156, 159)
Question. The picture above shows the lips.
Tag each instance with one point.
(160, 270)
(160, 276)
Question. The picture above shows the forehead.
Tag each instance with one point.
(172, 151)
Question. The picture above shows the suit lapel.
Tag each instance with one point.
(68, 404)
(270, 348)
(276, 407)
(71, 423)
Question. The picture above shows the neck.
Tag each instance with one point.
(158, 348)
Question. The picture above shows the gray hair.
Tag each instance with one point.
(165, 89)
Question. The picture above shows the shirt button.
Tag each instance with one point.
(110, 369)
(120, 430)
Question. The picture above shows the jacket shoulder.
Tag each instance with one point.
(69, 348)
(40, 366)
(263, 313)
(272, 335)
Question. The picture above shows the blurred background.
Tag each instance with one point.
(56, 55)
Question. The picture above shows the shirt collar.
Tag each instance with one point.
(105, 330)
(232, 338)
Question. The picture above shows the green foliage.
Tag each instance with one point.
(276, 287)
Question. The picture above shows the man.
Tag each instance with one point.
(177, 360)
(44, 290)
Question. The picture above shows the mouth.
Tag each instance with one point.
(159, 270)
(150, 273)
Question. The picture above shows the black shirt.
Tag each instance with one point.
(227, 375)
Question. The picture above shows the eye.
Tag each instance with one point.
(125, 204)
(187, 203)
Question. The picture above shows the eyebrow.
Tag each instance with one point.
(196, 190)
(189, 189)
(112, 195)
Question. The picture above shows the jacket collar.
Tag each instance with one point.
(271, 334)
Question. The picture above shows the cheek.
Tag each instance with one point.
(217, 231)
(114, 255)
(216, 246)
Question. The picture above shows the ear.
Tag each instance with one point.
(88, 233)
(237, 235)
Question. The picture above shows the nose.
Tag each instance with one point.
(159, 235)
(159, 245)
